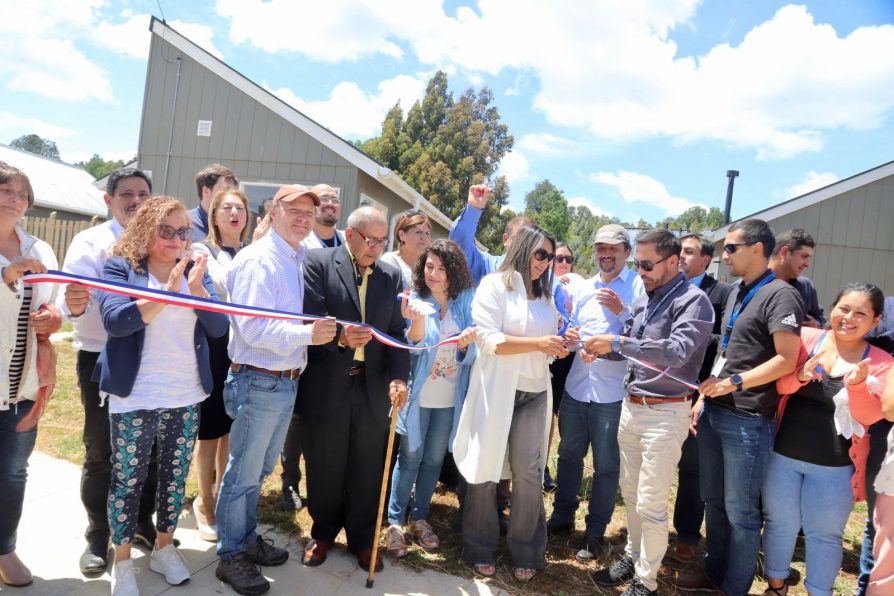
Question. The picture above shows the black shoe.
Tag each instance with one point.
(95, 558)
(242, 575)
(146, 535)
(290, 500)
(555, 527)
(589, 548)
(262, 552)
(549, 486)
(636, 588)
(619, 572)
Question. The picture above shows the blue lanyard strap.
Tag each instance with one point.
(732, 320)
(647, 316)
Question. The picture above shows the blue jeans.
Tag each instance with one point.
(581, 426)
(15, 449)
(422, 467)
(733, 448)
(797, 494)
(261, 407)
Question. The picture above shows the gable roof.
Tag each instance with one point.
(58, 186)
(813, 197)
(385, 176)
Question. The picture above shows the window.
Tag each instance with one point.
(260, 192)
(368, 200)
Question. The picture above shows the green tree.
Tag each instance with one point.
(99, 167)
(547, 206)
(443, 146)
(37, 145)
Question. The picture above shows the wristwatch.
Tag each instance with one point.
(737, 381)
(616, 344)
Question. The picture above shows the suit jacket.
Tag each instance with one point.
(330, 289)
(717, 292)
(118, 364)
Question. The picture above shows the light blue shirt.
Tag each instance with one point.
(268, 273)
(601, 381)
(463, 233)
(697, 280)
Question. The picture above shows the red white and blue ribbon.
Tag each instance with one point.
(662, 372)
(209, 304)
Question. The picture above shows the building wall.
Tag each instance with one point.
(854, 233)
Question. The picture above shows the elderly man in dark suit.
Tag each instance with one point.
(350, 384)
(689, 510)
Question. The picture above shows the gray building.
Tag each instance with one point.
(197, 111)
(852, 222)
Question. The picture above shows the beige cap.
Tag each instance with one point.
(291, 192)
(611, 234)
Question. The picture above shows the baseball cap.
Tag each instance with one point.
(290, 192)
(611, 234)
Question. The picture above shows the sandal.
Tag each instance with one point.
(780, 591)
(485, 569)
(525, 574)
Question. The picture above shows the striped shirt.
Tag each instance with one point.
(17, 362)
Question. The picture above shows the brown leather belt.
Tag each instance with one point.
(358, 369)
(291, 374)
(654, 401)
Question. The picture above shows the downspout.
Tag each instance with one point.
(164, 182)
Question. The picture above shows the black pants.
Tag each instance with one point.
(291, 454)
(344, 459)
(97, 471)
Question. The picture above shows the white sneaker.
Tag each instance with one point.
(206, 531)
(171, 564)
(124, 579)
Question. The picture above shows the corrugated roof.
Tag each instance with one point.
(57, 185)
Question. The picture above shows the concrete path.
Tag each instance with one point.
(50, 541)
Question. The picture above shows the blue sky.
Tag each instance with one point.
(634, 108)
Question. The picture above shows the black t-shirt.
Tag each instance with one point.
(774, 307)
(807, 430)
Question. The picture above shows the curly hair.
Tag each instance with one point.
(451, 255)
(133, 244)
(219, 197)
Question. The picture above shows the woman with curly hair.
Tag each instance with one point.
(154, 370)
(412, 234)
(438, 382)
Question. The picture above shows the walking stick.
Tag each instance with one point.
(382, 495)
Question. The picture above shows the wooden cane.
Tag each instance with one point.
(382, 496)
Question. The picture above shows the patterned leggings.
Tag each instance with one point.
(133, 434)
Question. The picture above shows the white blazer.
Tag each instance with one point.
(313, 241)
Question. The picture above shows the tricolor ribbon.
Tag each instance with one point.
(209, 304)
(662, 372)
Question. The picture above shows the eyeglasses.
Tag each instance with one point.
(373, 242)
(731, 249)
(541, 255)
(166, 232)
(11, 195)
(565, 259)
(648, 266)
(329, 199)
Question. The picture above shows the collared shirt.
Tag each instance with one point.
(268, 273)
(87, 256)
(697, 280)
(359, 353)
(678, 319)
(601, 381)
(198, 218)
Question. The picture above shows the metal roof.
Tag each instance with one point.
(57, 185)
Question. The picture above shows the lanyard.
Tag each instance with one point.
(732, 320)
(647, 316)
(819, 370)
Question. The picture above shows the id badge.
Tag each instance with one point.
(718, 366)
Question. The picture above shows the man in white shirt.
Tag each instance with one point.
(126, 190)
(324, 233)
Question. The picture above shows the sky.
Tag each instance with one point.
(634, 108)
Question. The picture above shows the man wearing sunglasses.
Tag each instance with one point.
(736, 410)
(670, 328)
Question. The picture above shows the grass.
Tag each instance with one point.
(60, 431)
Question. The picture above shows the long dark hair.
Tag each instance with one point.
(524, 244)
(451, 255)
(871, 291)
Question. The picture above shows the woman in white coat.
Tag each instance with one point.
(505, 418)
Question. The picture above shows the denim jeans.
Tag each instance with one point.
(878, 447)
(733, 448)
(261, 407)
(581, 426)
(422, 467)
(797, 494)
(15, 449)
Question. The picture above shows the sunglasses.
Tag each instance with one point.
(648, 266)
(731, 249)
(166, 232)
(541, 255)
(565, 259)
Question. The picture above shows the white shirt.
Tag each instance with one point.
(534, 372)
(884, 482)
(159, 384)
(87, 256)
(439, 390)
(392, 258)
(218, 268)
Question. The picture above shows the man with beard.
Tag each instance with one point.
(324, 234)
(591, 406)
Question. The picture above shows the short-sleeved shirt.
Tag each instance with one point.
(775, 307)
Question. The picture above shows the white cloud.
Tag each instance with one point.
(639, 188)
(352, 112)
(588, 203)
(515, 167)
(131, 38)
(201, 35)
(612, 67)
(811, 181)
(12, 127)
(545, 144)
